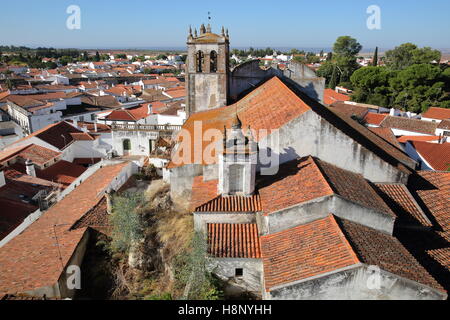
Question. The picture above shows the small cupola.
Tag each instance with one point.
(237, 161)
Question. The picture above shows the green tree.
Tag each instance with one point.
(334, 78)
(408, 54)
(347, 46)
(161, 57)
(127, 226)
(418, 87)
(97, 56)
(375, 58)
(371, 85)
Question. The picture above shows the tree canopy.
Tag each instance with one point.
(408, 54)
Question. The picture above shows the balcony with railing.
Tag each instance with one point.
(146, 127)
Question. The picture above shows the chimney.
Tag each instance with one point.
(392, 112)
(2, 179)
(95, 126)
(75, 122)
(108, 202)
(149, 107)
(31, 171)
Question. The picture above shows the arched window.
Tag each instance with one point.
(200, 57)
(213, 61)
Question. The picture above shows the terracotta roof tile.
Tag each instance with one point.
(350, 110)
(296, 182)
(376, 248)
(431, 247)
(305, 251)
(437, 113)
(267, 107)
(445, 124)
(203, 191)
(309, 178)
(407, 124)
(374, 118)
(232, 204)
(404, 139)
(57, 134)
(34, 259)
(39, 155)
(233, 240)
(387, 135)
(62, 172)
(437, 155)
(402, 203)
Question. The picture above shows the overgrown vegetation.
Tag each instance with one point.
(154, 252)
(126, 220)
(192, 274)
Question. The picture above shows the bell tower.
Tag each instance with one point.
(207, 70)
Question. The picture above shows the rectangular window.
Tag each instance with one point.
(236, 178)
(238, 272)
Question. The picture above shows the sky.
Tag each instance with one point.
(289, 23)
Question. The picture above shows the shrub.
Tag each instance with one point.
(126, 221)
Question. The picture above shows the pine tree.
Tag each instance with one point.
(97, 56)
(375, 58)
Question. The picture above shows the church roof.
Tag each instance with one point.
(309, 178)
(267, 107)
(330, 244)
(297, 181)
(272, 105)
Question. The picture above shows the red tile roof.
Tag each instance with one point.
(445, 124)
(39, 155)
(437, 113)
(308, 178)
(387, 135)
(203, 191)
(374, 118)
(174, 94)
(12, 215)
(296, 182)
(134, 114)
(35, 258)
(433, 189)
(377, 248)
(57, 134)
(305, 251)
(404, 139)
(232, 204)
(350, 110)
(331, 244)
(402, 203)
(233, 240)
(62, 172)
(267, 107)
(437, 155)
(407, 124)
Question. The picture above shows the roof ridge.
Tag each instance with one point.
(346, 241)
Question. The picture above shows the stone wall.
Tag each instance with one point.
(320, 208)
(355, 283)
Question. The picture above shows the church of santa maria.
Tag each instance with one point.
(299, 201)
